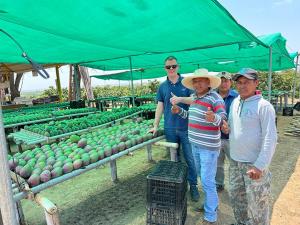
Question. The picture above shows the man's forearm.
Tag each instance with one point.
(269, 138)
(186, 100)
(183, 113)
(158, 114)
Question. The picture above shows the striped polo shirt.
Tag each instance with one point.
(205, 134)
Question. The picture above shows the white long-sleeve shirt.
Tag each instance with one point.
(253, 134)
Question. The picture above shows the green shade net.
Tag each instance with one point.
(293, 55)
(230, 58)
(76, 31)
(104, 34)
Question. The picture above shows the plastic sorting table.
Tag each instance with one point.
(50, 209)
(31, 138)
(112, 160)
(53, 117)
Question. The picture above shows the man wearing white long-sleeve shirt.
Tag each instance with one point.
(253, 139)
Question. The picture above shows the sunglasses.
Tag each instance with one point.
(172, 66)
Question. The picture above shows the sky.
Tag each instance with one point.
(258, 16)
(268, 16)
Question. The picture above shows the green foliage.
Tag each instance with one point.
(153, 86)
(106, 91)
(282, 81)
(52, 91)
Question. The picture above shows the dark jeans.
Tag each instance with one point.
(181, 137)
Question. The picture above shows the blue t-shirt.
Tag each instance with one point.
(228, 100)
(173, 121)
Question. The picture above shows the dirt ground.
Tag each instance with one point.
(92, 199)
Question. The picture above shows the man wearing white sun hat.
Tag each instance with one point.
(205, 116)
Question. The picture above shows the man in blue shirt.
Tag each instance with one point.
(228, 96)
(175, 127)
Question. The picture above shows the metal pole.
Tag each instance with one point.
(149, 153)
(58, 85)
(8, 209)
(141, 82)
(295, 77)
(70, 95)
(131, 76)
(113, 170)
(270, 74)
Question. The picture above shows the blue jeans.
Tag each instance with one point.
(206, 165)
(181, 137)
(220, 168)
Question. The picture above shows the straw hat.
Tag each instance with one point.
(201, 73)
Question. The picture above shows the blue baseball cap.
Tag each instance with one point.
(249, 73)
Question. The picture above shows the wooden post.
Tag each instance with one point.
(1, 222)
(113, 170)
(77, 78)
(52, 219)
(83, 71)
(50, 209)
(58, 85)
(7, 205)
(149, 153)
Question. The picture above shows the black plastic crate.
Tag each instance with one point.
(297, 106)
(149, 115)
(167, 185)
(167, 216)
(288, 111)
(77, 104)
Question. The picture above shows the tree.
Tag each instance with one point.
(15, 84)
(153, 85)
(282, 81)
(53, 91)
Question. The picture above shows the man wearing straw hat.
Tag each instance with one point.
(205, 115)
(175, 127)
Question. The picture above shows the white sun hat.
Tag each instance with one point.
(202, 73)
